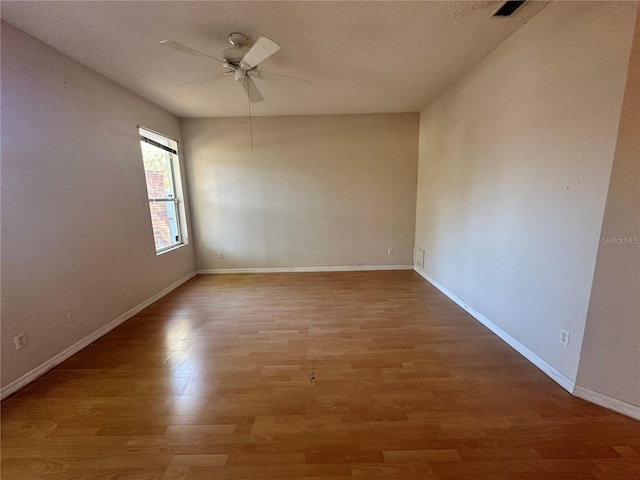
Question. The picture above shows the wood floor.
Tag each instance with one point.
(213, 382)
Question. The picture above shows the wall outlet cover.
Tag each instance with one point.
(20, 340)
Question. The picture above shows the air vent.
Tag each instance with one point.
(508, 8)
(418, 256)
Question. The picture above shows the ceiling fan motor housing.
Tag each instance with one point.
(233, 55)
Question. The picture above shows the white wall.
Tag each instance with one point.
(514, 165)
(610, 356)
(76, 230)
(317, 191)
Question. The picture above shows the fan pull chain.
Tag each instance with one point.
(250, 122)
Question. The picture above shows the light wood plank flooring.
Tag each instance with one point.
(213, 382)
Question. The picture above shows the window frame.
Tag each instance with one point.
(172, 159)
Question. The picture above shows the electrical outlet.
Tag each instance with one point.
(220, 254)
(564, 337)
(71, 315)
(390, 251)
(20, 340)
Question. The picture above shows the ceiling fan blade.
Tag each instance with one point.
(264, 74)
(262, 50)
(184, 49)
(205, 79)
(252, 91)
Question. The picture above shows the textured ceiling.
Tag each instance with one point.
(361, 57)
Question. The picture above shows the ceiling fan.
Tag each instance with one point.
(240, 61)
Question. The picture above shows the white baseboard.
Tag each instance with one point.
(554, 374)
(606, 401)
(76, 347)
(362, 268)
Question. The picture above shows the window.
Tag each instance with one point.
(161, 167)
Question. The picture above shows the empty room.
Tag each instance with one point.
(320, 240)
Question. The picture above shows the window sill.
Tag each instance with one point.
(171, 249)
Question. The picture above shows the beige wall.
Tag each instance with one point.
(610, 357)
(76, 230)
(514, 166)
(317, 191)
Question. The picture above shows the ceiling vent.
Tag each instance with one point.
(508, 8)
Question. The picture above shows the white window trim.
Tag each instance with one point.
(159, 140)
